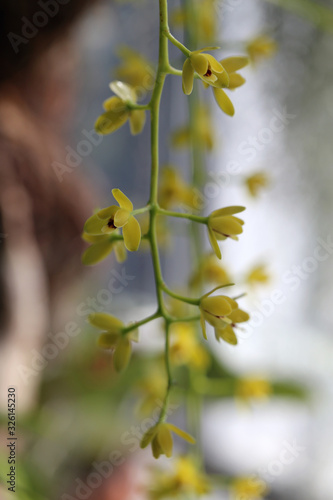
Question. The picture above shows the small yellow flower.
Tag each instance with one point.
(203, 131)
(101, 246)
(223, 314)
(186, 480)
(252, 388)
(261, 47)
(135, 69)
(256, 182)
(112, 338)
(206, 67)
(108, 219)
(222, 224)
(210, 271)
(174, 191)
(258, 275)
(185, 347)
(247, 488)
(118, 110)
(160, 438)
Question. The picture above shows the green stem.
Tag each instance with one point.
(177, 44)
(192, 217)
(163, 413)
(194, 302)
(137, 324)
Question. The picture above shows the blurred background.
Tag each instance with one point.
(73, 412)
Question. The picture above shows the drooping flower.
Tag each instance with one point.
(223, 314)
(206, 67)
(256, 182)
(108, 219)
(173, 190)
(160, 438)
(185, 348)
(223, 224)
(185, 480)
(210, 270)
(135, 69)
(261, 47)
(101, 246)
(258, 275)
(203, 132)
(248, 488)
(250, 388)
(112, 338)
(118, 109)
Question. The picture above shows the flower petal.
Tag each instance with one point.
(132, 234)
(105, 321)
(94, 225)
(121, 217)
(203, 325)
(232, 64)
(214, 64)
(148, 436)
(225, 225)
(187, 77)
(224, 102)
(239, 316)
(97, 252)
(107, 340)
(228, 211)
(235, 80)
(122, 199)
(120, 251)
(181, 433)
(164, 438)
(137, 120)
(217, 306)
(214, 243)
(110, 121)
(228, 335)
(124, 91)
(200, 63)
(122, 354)
(114, 104)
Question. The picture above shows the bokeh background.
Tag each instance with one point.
(71, 408)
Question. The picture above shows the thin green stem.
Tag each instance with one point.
(137, 324)
(142, 210)
(177, 44)
(179, 215)
(194, 302)
(186, 319)
(163, 413)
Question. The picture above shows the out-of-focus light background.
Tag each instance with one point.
(71, 411)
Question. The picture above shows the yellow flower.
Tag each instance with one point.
(248, 488)
(174, 191)
(185, 480)
(108, 219)
(256, 182)
(258, 275)
(252, 388)
(101, 246)
(118, 110)
(112, 338)
(261, 47)
(206, 67)
(210, 271)
(222, 224)
(231, 65)
(135, 69)
(185, 347)
(160, 438)
(203, 131)
(222, 313)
